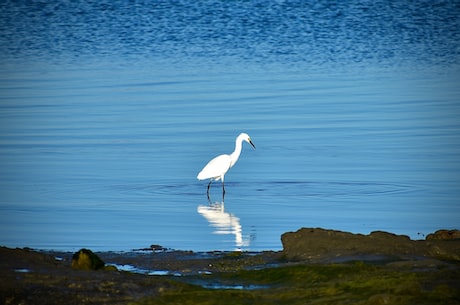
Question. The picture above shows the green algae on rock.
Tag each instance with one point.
(346, 269)
(85, 259)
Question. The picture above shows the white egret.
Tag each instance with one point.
(216, 169)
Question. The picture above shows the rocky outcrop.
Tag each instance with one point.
(321, 244)
(444, 235)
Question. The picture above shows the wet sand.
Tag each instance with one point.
(316, 266)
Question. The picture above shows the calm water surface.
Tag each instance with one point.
(109, 110)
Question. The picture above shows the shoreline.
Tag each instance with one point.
(313, 259)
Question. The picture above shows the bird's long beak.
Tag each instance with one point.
(250, 142)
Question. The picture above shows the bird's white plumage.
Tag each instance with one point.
(216, 168)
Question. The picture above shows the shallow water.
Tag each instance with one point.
(108, 112)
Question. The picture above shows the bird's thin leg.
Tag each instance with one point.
(209, 185)
(223, 189)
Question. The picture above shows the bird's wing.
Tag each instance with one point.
(215, 168)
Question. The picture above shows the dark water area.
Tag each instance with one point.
(109, 110)
(287, 33)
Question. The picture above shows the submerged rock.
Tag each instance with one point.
(322, 244)
(86, 260)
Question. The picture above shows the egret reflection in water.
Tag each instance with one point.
(224, 222)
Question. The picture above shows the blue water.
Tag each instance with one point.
(108, 111)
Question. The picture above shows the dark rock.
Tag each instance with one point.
(382, 235)
(444, 235)
(321, 244)
(157, 248)
(86, 260)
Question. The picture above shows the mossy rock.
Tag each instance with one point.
(444, 235)
(323, 244)
(85, 259)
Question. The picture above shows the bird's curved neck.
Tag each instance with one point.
(236, 153)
